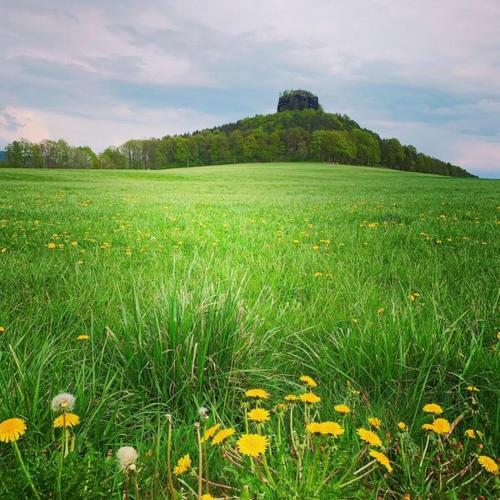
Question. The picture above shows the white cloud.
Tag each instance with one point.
(65, 65)
(112, 127)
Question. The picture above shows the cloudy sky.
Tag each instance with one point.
(99, 72)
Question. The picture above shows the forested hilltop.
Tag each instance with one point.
(305, 135)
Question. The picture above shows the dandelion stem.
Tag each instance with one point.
(425, 451)
(25, 470)
(136, 486)
(200, 461)
(170, 483)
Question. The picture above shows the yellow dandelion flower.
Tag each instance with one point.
(381, 458)
(258, 415)
(375, 422)
(308, 380)
(2, 329)
(183, 465)
(343, 409)
(310, 397)
(257, 393)
(488, 464)
(82, 337)
(12, 429)
(66, 420)
(222, 435)
(380, 311)
(252, 445)
(432, 408)
(51, 246)
(470, 433)
(210, 432)
(313, 427)
(427, 427)
(207, 496)
(472, 388)
(291, 397)
(441, 426)
(331, 428)
(369, 437)
(402, 426)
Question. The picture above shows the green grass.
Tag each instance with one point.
(210, 285)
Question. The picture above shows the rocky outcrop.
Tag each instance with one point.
(296, 100)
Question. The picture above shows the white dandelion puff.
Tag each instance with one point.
(63, 402)
(203, 412)
(127, 456)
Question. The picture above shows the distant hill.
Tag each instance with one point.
(300, 131)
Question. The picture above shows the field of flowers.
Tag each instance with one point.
(249, 331)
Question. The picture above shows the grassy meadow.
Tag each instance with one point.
(195, 285)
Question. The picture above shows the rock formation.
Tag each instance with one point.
(293, 100)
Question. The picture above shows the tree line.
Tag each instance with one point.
(307, 135)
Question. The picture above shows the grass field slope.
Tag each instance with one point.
(149, 295)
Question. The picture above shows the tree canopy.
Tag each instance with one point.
(306, 135)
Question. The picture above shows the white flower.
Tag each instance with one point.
(63, 402)
(127, 456)
(203, 412)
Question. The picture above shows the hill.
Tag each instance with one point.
(298, 132)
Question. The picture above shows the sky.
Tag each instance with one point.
(100, 72)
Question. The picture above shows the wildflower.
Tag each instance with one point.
(375, 422)
(63, 402)
(66, 420)
(12, 429)
(313, 427)
(343, 409)
(470, 433)
(51, 246)
(252, 445)
(203, 412)
(2, 329)
(488, 464)
(257, 393)
(210, 432)
(432, 408)
(472, 388)
(402, 426)
(127, 457)
(331, 428)
(308, 381)
(428, 427)
(310, 397)
(441, 426)
(222, 435)
(82, 337)
(381, 458)
(207, 496)
(183, 465)
(369, 437)
(414, 296)
(291, 397)
(258, 415)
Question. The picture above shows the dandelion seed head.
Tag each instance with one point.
(63, 402)
(203, 412)
(127, 457)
